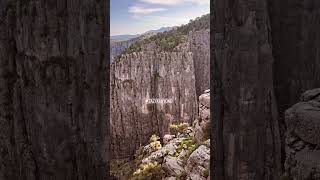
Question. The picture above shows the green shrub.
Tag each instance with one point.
(167, 41)
(138, 156)
(182, 176)
(178, 128)
(206, 173)
(150, 171)
(121, 168)
(154, 138)
(156, 145)
(185, 144)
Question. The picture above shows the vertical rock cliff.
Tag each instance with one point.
(150, 74)
(53, 122)
(153, 73)
(199, 42)
(117, 47)
(248, 140)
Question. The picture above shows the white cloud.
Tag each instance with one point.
(176, 2)
(142, 10)
(162, 2)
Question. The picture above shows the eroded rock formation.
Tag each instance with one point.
(203, 123)
(150, 74)
(53, 122)
(303, 137)
(181, 155)
(117, 47)
(199, 42)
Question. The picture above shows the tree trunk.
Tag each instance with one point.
(53, 94)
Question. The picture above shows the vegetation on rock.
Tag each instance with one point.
(150, 171)
(167, 41)
(178, 128)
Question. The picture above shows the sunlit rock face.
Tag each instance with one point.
(147, 75)
(150, 74)
(117, 47)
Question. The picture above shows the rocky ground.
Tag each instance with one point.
(183, 154)
(303, 138)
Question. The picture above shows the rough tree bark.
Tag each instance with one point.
(248, 126)
(53, 79)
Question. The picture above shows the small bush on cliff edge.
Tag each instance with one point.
(150, 171)
(155, 142)
(178, 128)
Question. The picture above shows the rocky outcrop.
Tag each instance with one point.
(199, 42)
(303, 137)
(178, 156)
(198, 163)
(145, 75)
(203, 123)
(171, 166)
(53, 122)
(117, 47)
(182, 156)
(149, 74)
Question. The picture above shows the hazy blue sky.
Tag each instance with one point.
(138, 16)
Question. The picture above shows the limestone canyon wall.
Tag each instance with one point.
(117, 47)
(144, 75)
(151, 73)
(199, 42)
(53, 78)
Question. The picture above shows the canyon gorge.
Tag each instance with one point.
(152, 73)
(58, 122)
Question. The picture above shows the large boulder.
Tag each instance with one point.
(171, 166)
(202, 124)
(198, 163)
(303, 119)
(303, 137)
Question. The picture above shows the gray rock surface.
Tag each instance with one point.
(303, 119)
(151, 73)
(117, 47)
(170, 178)
(198, 163)
(171, 166)
(203, 124)
(302, 140)
(199, 42)
(53, 122)
(145, 75)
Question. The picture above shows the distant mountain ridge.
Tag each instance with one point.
(125, 37)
